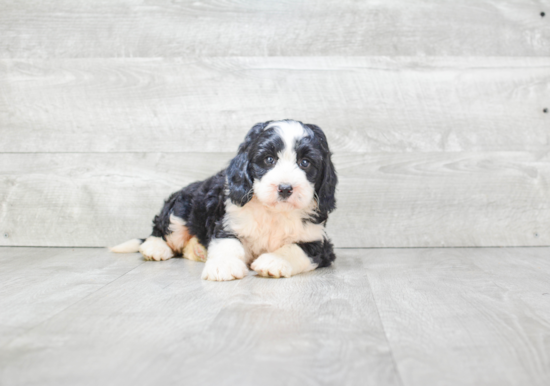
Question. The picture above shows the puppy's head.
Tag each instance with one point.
(286, 165)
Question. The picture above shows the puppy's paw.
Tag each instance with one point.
(271, 265)
(194, 250)
(224, 269)
(155, 248)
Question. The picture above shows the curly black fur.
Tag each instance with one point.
(202, 204)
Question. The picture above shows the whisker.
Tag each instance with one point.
(247, 196)
(316, 197)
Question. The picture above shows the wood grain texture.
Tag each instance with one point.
(134, 28)
(384, 200)
(364, 104)
(467, 316)
(450, 322)
(161, 324)
(37, 284)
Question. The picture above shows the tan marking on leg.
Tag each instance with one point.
(194, 250)
(179, 236)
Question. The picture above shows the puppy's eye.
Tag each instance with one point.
(304, 163)
(269, 160)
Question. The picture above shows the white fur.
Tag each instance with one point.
(155, 248)
(287, 261)
(129, 246)
(267, 225)
(264, 229)
(179, 234)
(226, 260)
(290, 131)
(286, 171)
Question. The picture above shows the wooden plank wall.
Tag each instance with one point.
(434, 110)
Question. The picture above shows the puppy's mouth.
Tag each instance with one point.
(282, 197)
(285, 202)
(283, 205)
(287, 199)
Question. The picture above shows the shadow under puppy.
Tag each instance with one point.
(267, 210)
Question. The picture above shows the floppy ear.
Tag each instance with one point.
(239, 180)
(326, 185)
(327, 188)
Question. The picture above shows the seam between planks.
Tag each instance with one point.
(394, 361)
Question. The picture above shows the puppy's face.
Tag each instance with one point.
(286, 165)
(283, 167)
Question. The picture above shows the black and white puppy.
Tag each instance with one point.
(266, 211)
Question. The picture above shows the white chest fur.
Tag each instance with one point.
(262, 229)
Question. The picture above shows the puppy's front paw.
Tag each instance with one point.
(224, 269)
(271, 265)
(155, 248)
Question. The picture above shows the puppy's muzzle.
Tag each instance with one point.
(285, 191)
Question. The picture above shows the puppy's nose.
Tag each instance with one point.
(285, 190)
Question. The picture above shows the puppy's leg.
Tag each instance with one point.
(292, 259)
(287, 261)
(178, 235)
(194, 250)
(155, 248)
(226, 260)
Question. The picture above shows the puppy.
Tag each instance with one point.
(266, 211)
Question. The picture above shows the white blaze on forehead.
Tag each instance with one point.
(286, 171)
(290, 132)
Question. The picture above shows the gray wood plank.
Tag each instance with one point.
(363, 103)
(384, 200)
(450, 316)
(523, 272)
(162, 28)
(451, 323)
(38, 283)
(161, 324)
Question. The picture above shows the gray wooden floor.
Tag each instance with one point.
(462, 316)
